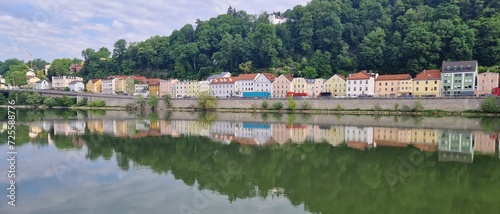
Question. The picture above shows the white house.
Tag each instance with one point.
(108, 86)
(204, 86)
(223, 87)
(76, 86)
(42, 85)
(141, 88)
(2, 82)
(264, 82)
(180, 89)
(245, 82)
(276, 19)
(61, 82)
(361, 83)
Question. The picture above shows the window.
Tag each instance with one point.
(417, 89)
(425, 88)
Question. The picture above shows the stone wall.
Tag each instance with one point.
(447, 104)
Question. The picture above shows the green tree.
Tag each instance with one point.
(50, 102)
(60, 67)
(167, 98)
(207, 102)
(372, 48)
(291, 103)
(153, 102)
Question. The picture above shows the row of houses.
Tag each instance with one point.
(455, 78)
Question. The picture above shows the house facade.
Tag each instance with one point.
(427, 84)
(458, 78)
(94, 86)
(299, 85)
(77, 86)
(264, 82)
(204, 87)
(486, 82)
(61, 82)
(393, 85)
(154, 88)
(130, 82)
(42, 85)
(361, 83)
(282, 85)
(223, 87)
(142, 87)
(314, 86)
(245, 82)
(109, 85)
(335, 85)
(166, 87)
(193, 88)
(180, 89)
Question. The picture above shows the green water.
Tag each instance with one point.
(157, 165)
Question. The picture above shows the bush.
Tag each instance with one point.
(264, 105)
(168, 100)
(491, 105)
(97, 103)
(50, 102)
(254, 107)
(65, 101)
(207, 102)
(406, 108)
(277, 106)
(306, 106)
(83, 102)
(339, 107)
(377, 107)
(396, 106)
(291, 103)
(152, 101)
(417, 107)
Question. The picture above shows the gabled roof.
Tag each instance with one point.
(269, 76)
(393, 77)
(362, 75)
(340, 75)
(247, 76)
(288, 77)
(225, 80)
(460, 66)
(95, 80)
(428, 75)
(75, 82)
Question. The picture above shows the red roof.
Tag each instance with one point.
(362, 75)
(428, 75)
(270, 77)
(393, 77)
(288, 77)
(94, 80)
(138, 78)
(247, 76)
(225, 80)
(340, 75)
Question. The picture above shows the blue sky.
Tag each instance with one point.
(63, 28)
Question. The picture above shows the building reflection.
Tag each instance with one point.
(456, 145)
(452, 145)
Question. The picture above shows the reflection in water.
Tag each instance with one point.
(317, 167)
(452, 145)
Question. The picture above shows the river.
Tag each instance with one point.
(184, 162)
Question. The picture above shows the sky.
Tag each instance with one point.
(51, 29)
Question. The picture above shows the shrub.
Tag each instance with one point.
(82, 102)
(491, 105)
(97, 103)
(50, 102)
(168, 100)
(306, 106)
(339, 107)
(377, 107)
(207, 102)
(254, 107)
(277, 106)
(152, 101)
(406, 108)
(418, 106)
(65, 101)
(291, 103)
(396, 106)
(264, 105)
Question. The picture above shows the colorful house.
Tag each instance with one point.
(427, 84)
(360, 84)
(245, 82)
(393, 85)
(458, 78)
(282, 85)
(486, 82)
(264, 82)
(130, 82)
(193, 88)
(94, 86)
(335, 85)
(299, 85)
(166, 87)
(180, 89)
(314, 86)
(223, 87)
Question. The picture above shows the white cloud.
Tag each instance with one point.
(68, 27)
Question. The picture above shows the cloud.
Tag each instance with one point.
(63, 28)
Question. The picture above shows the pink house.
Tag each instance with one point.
(282, 85)
(486, 82)
(166, 86)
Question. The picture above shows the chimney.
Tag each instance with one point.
(424, 71)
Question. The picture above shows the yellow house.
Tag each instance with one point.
(120, 83)
(335, 85)
(154, 88)
(32, 81)
(94, 86)
(393, 85)
(427, 84)
(299, 85)
(425, 139)
(193, 88)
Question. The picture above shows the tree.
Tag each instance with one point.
(50, 102)
(291, 103)
(168, 100)
(372, 48)
(246, 67)
(207, 102)
(60, 67)
(16, 78)
(5, 66)
(152, 101)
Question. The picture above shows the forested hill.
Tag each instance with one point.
(320, 39)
